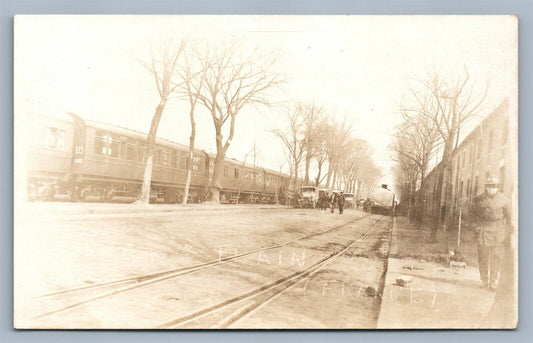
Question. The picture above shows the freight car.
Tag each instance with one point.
(85, 159)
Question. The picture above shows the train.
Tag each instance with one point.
(82, 160)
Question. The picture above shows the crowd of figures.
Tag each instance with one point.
(334, 200)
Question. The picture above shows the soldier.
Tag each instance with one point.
(332, 201)
(490, 214)
(340, 202)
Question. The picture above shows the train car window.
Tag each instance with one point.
(55, 138)
(100, 143)
(157, 156)
(183, 160)
(130, 150)
(196, 162)
(123, 148)
(142, 151)
(113, 146)
(106, 144)
(173, 158)
(164, 157)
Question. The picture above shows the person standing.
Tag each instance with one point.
(490, 214)
(340, 202)
(332, 201)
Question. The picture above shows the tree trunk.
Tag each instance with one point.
(443, 191)
(215, 186)
(190, 156)
(330, 171)
(296, 176)
(307, 164)
(144, 196)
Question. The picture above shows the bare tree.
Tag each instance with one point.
(415, 141)
(232, 81)
(313, 128)
(293, 139)
(321, 156)
(339, 141)
(162, 66)
(193, 77)
(449, 103)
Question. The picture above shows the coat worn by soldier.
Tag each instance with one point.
(340, 201)
(490, 214)
(333, 201)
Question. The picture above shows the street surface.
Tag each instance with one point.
(198, 266)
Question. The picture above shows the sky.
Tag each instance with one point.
(358, 67)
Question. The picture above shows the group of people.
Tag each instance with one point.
(335, 199)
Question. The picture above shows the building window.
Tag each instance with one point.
(461, 189)
(236, 173)
(479, 147)
(471, 155)
(505, 130)
(476, 186)
(502, 178)
(491, 134)
(226, 171)
(468, 189)
(55, 138)
(464, 157)
(211, 167)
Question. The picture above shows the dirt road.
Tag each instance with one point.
(226, 267)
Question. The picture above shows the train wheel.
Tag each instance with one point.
(49, 194)
(77, 194)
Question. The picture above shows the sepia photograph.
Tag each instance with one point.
(265, 172)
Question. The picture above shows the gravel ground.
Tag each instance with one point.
(59, 246)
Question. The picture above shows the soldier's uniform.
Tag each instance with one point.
(332, 201)
(340, 202)
(491, 215)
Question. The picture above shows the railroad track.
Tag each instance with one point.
(258, 297)
(115, 287)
